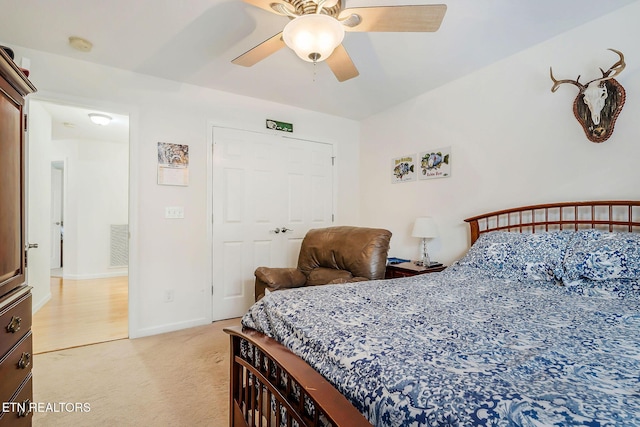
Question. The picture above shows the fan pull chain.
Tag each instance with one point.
(315, 63)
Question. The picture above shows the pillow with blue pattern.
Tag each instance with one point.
(610, 288)
(519, 256)
(600, 255)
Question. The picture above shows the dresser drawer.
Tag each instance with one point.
(15, 318)
(18, 418)
(15, 366)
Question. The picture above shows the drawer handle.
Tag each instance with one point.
(14, 324)
(25, 409)
(25, 360)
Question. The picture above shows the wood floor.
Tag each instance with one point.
(81, 312)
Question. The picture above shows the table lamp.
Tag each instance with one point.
(425, 228)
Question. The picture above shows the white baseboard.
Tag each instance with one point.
(39, 304)
(94, 276)
(145, 332)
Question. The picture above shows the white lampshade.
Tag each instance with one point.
(100, 119)
(425, 227)
(313, 37)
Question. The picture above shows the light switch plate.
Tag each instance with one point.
(174, 212)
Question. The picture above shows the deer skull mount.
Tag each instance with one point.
(599, 101)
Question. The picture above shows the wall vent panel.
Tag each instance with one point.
(119, 245)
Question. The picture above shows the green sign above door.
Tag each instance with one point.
(281, 126)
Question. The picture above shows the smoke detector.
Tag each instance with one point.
(78, 43)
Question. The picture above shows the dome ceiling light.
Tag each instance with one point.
(100, 119)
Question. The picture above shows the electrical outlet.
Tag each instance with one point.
(168, 295)
(174, 212)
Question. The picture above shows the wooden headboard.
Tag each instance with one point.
(619, 215)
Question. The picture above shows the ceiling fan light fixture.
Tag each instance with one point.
(100, 119)
(313, 37)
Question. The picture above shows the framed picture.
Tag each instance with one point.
(435, 163)
(173, 164)
(403, 169)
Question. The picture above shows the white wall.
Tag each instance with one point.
(96, 196)
(39, 201)
(175, 253)
(513, 142)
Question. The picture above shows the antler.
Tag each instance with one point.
(615, 69)
(557, 83)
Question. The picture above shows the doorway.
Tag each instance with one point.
(77, 207)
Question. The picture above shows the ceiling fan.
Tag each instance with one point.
(317, 28)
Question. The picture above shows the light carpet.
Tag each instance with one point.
(175, 379)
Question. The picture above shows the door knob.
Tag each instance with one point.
(285, 229)
(276, 230)
(32, 246)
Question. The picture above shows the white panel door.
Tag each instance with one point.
(309, 196)
(262, 184)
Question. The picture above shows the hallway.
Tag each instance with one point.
(82, 312)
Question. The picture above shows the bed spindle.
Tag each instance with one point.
(264, 393)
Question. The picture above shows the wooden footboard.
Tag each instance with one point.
(272, 387)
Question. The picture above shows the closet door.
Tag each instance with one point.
(268, 191)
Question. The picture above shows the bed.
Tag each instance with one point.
(537, 324)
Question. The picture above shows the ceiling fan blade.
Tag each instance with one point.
(279, 7)
(418, 18)
(261, 51)
(341, 64)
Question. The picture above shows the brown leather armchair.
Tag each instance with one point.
(328, 256)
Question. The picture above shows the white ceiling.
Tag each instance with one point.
(194, 41)
(69, 122)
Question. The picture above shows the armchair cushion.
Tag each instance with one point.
(353, 279)
(323, 276)
(359, 250)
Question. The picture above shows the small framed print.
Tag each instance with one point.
(173, 164)
(403, 169)
(435, 163)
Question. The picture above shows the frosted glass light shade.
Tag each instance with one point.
(313, 37)
(425, 227)
(100, 119)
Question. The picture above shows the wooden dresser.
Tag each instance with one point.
(15, 296)
(16, 357)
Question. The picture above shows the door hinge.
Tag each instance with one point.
(25, 122)
(26, 256)
(211, 289)
(333, 161)
(333, 218)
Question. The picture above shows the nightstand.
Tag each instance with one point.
(408, 269)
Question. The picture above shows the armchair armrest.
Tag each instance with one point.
(277, 278)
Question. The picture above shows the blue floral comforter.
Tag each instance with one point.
(459, 349)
